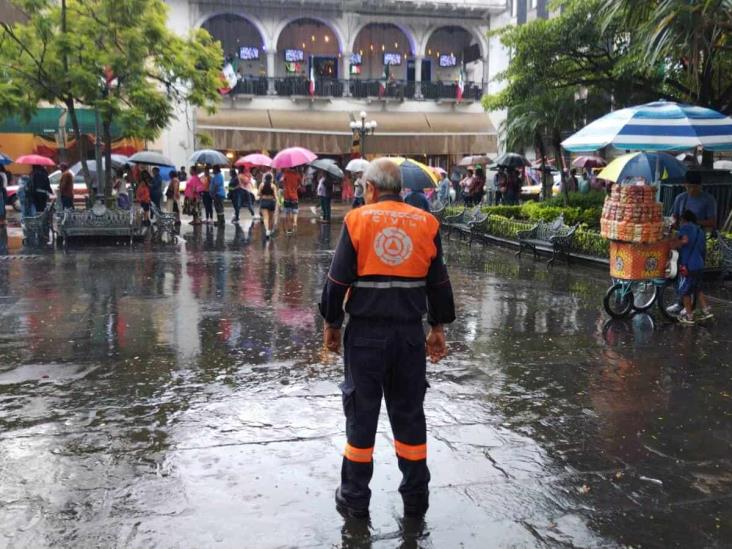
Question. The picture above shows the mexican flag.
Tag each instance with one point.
(311, 83)
(384, 82)
(460, 87)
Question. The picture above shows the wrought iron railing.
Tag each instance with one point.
(356, 87)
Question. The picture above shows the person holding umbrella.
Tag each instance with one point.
(192, 201)
(358, 190)
(291, 184)
(41, 186)
(218, 194)
(156, 188)
(206, 194)
(325, 193)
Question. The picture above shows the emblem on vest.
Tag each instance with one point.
(393, 246)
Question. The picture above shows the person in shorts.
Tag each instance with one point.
(268, 203)
(691, 242)
(291, 184)
(143, 198)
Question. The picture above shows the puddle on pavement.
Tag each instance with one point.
(180, 397)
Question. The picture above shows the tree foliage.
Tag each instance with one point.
(610, 54)
(117, 56)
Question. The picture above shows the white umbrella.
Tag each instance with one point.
(357, 165)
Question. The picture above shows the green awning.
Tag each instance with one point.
(46, 122)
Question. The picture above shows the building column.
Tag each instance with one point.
(271, 55)
(346, 76)
(418, 76)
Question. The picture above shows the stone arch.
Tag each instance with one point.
(408, 33)
(472, 32)
(255, 22)
(330, 24)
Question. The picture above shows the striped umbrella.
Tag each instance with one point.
(658, 126)
(5, 160)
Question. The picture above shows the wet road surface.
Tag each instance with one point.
(179, 397)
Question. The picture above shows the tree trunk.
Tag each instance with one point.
(557, 145)
(107, 133)
(81, 140)
(546, 188)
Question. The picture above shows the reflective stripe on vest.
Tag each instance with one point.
(389, 284)
(392, 238)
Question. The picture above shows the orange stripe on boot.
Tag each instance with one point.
(411, 452)
(358, 455)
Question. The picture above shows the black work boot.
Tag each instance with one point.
(346, 509)
(416, 505)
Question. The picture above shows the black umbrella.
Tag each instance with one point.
(329, 166)
(512, 160)
(150, 158)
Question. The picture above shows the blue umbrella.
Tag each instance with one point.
(5, 160)
(210, 157)
(658, 126)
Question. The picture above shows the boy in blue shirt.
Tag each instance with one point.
(691, 244)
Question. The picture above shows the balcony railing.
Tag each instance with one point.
(356, 88)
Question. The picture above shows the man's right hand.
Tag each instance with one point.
(332, 339)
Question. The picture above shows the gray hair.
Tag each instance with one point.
(384, 175)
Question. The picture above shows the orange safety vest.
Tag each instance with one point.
(393, 239)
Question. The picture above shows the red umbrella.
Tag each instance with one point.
(292, 157)
(254, 160)
(589, 162)
(35, 160)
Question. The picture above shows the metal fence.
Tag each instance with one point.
(356, 88)
(718, 183)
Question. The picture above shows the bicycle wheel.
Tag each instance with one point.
(666, 297)
(644, 295)
(618, 301)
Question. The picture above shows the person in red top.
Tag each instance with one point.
(388, 268)
(291, 182)
(142, 195)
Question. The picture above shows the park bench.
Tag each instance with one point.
(37, 227)
(554, 236)
(437, 207)
(164, 225)
(95, 222)
(463, 222)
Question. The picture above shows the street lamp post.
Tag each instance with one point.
(363, 129)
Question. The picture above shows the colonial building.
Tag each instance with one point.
(301, 71)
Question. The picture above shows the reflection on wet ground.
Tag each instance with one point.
(179, 397)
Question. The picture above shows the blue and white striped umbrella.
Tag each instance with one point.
(5, 160)
(658, 126)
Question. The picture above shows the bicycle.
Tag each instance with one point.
(627, 296)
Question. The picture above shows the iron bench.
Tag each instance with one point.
(97, 221)
(462, 222)
(164, 225)
(554, 235)
(37, 227)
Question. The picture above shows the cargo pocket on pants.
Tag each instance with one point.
(348, 394)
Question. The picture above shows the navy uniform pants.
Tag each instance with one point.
(384, 359)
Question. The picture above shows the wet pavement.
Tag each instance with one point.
(179, 397)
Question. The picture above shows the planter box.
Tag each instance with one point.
(631, 261)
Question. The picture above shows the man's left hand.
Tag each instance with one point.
(332, 339)
(436, 344)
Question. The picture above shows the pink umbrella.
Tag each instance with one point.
(292, 157)
(439, 171)
(35, 160)
(254, 160)
(589, 162)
